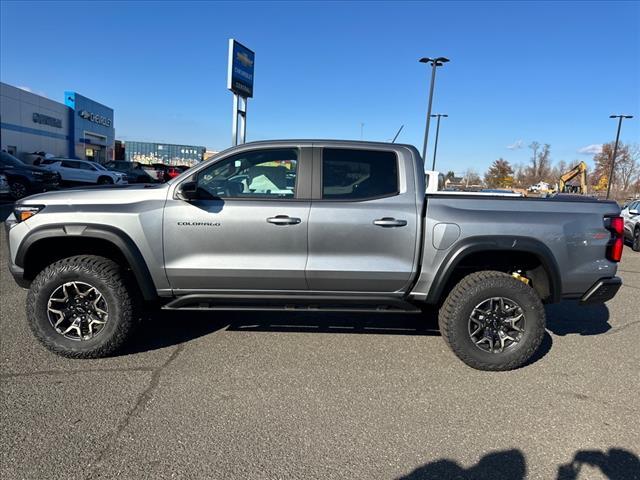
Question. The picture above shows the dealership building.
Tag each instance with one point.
(77, 128)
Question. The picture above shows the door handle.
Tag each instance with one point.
(389, 222)
(283, 220)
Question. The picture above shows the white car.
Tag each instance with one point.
(631, 215)
(83, 171)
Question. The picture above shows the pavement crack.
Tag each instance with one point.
(138, 407)
(622, 327)
(34, 373)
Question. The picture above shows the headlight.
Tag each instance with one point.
(37, 173)
(24, 212)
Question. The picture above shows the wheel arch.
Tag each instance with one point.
(481, 253)
(39, 247)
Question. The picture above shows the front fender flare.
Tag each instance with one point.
(115, 236)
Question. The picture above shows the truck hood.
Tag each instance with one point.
(97, 195)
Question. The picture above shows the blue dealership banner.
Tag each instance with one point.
(240, 74)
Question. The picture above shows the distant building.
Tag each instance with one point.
(167, 153)
(78, 128)
(210, 153)
(454, 183)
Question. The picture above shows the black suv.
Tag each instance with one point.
(26, 179)
(136, 172)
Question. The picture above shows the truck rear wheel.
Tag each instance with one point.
(80, 307)
(492, 321)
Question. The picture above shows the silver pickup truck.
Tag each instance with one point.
(310, 225)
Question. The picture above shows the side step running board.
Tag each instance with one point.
(291, 303)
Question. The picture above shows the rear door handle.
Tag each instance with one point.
(283, 220)
(389, 222)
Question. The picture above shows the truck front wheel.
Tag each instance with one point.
(81, 307)
(492, 321)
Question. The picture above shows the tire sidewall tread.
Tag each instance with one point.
(108, 277)
(454, 314)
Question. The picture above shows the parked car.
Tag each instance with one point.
(4, 186)
(540, 187)
(136, 172)
(26, 179)
(355, 231)
(83, 171)
(631, 215)
(167, 172)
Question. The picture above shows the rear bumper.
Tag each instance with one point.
(601, 291)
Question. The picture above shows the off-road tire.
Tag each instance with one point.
(454, 315)
(110, 279)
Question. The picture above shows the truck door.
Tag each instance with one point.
(247, 229)
(363, 225)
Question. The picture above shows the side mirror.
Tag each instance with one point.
(187, 191)
(634, 211)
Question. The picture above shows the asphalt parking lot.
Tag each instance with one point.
(291, 395)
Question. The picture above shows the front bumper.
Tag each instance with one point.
(601, 291)
(16, 272)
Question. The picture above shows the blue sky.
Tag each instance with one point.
(551, 72)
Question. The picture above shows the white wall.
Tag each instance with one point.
(17, 107)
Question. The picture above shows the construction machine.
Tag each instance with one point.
(578, 170)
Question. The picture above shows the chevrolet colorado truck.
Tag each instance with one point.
(310, 225)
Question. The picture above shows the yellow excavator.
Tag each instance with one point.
(581, 170)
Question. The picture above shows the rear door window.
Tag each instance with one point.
(352, 174)
(70, 164)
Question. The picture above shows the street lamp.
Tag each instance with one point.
(435, 62)
(435, 148)
(615, 149)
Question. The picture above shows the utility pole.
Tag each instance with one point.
(435, 148)
(615, 150)
(435, 62)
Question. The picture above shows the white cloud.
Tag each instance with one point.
(591, 149)
(36, 92)
(517, 145)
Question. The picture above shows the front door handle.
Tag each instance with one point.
(283, 220)
(389, 222)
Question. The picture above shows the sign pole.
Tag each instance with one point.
(234, 122)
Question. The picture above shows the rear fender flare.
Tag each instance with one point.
(492, 243)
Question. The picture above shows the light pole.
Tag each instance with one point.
(435, 62)
(435, 148)
(615, 149)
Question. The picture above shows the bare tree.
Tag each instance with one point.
(627, 166)
(471, 178)
(544, 163)
(533, 169)
(540, 167)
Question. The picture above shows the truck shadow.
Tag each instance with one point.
(614, 464)
(166, 328)
(568, 317)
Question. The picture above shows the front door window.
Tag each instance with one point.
(269, 174)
